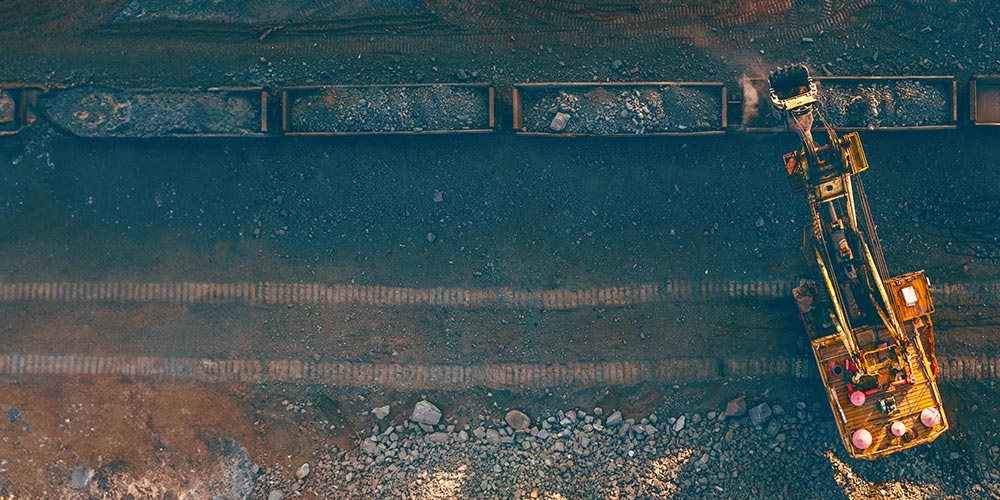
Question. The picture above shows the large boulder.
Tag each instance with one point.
(426, 413)
(760, 413)
(737, 407)
(518, 420)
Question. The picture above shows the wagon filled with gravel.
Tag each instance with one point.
(867, 103)
(17, 102)
(620, 109)
(138, 113)
(388, 109)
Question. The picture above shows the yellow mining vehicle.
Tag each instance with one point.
(871, 335)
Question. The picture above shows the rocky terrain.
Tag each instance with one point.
(616, 110)
(391, 109)
(771, 450)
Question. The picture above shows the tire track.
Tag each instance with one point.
(584, 374)
(276, 293)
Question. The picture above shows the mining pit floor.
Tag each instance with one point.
(621, 233)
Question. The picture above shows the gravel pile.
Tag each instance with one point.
(770, 451)
(895, 103)
(91, 112)
(391, 109)
(622, 110)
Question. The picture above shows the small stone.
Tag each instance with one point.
(679, 424)
(381, 412)
(368, 446)
(598, 411)
(759, 223)
(542, 434)
(617, 64)
(479, 432)
(302, 471)
(424, 412)
(712, 415)
(463, 436)
(518, 420)
(80, 477)
(773, 427)
(438, 196)
(462, 75)
(438, 437)
(13, 415)
(737, 407)
(615, 418)
(276, 495)
(431, 237)
(559, 122)
(760, 413)
(806, 39)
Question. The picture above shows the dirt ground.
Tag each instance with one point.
(502, 211)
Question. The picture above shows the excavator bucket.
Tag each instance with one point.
(792, 90)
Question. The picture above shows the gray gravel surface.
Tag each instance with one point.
(577, 454)
(623, 110)
(96, 112)
(390, 109)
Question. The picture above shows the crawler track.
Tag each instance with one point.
(272, 293)
(445, 377)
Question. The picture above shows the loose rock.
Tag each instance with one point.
(80, 477)
(518, 420)
(615, 418)
(424, 412)
(559, 122)
(381, 412)
(760, 413)
(737, 407)
(302, 471)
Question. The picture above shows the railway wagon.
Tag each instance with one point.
(855, 103)
(569, 109)
(331, 110)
